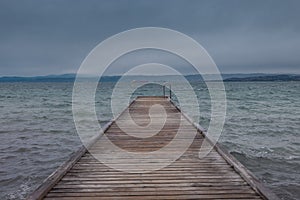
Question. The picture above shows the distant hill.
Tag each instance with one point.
(266, 78)
(226, 77)
(49, 78)
(55, 78)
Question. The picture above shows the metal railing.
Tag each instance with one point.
(170, 90)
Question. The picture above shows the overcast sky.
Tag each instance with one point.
(40, 37)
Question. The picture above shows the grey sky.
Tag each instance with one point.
(52, 37)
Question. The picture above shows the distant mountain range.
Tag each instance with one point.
(226, 77)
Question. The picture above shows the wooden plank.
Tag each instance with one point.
(75, 193)
(241, 189)
(241, 169)
(47, 185)
(53, 178)
(218, 176)
(199, 196)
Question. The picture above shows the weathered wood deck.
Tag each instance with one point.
(217, 176)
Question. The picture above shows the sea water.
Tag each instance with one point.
(37, 131)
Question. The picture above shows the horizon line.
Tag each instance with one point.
(112, 75)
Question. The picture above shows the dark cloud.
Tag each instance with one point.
(46, 37)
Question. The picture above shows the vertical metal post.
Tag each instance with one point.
(170, 92)
(164, 90)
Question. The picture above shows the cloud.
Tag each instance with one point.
(52, 37)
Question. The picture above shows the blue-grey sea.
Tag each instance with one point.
(37, 132)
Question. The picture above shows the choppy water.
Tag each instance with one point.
(37, 132)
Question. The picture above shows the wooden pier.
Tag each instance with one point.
(217, 176)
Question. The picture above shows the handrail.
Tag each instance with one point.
(170, 89)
